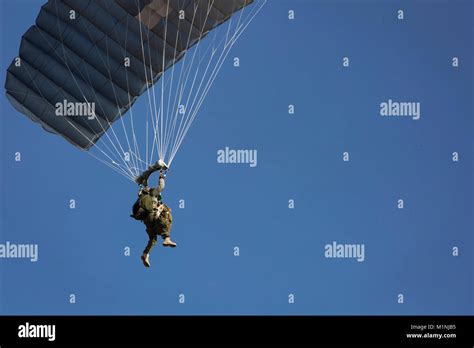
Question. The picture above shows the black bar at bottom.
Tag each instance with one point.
(137, 330)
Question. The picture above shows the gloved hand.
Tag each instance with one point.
(162, 165)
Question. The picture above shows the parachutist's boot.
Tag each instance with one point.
(146, 260)
(168, 242)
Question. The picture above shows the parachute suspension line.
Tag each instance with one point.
(128, 169)
(192, 89)
(172, 131)
(162, 136)
(158, 117)
(170, 89)
(148, 84)
(168, 123)
(186, 119)
(161, 113)
(189, 109)
(155, 115)
(119, 170)
(163, 82)
(122, 154)
(197, 70)
(232, 41)
(240, 28)
(176, 101)
(133, 156)
(136, 153)
(118, 108)
(144, 164)
(135, 168)
(188, 70)
(193, 109)
(93, 91)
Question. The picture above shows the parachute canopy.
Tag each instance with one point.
(84, 64)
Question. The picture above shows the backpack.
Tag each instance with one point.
(137, 212)
(142, 206)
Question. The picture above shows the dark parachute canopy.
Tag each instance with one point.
(107, 53)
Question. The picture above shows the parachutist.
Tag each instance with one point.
(155, 214)
(54, 81)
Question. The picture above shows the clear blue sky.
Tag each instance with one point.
(283, 62)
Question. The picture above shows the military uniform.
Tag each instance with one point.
(158, 224)
(152, 211)
(159, 219)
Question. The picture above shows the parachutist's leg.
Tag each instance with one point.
(153, 236)
(166, 235)
(151, 243)
(146, 260)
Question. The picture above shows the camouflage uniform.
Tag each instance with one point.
(152, 211)
(158, 223)
(158, 219)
